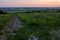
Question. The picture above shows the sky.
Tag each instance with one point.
(29, 3)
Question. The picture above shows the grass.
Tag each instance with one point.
(39, 24)
(4, 18)
(41, 19)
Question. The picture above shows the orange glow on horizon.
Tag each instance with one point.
(36, 3)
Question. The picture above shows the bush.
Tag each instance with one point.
(2, 12)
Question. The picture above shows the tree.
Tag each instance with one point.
(2, 12)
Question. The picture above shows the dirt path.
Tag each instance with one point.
(13, 24)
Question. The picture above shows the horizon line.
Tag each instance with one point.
(38, 7)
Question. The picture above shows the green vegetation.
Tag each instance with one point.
(44, 20)
(38, 24)
(4, 18)
(2, 12)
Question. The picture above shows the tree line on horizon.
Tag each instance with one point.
(2, 12)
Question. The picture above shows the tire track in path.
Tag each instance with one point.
(13, 24)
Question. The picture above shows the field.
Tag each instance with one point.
(40, 25)
(47, 20)
(36, 25)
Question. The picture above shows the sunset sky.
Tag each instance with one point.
(29, 3)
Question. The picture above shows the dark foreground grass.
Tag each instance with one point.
(38, 24)
(4, 18)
